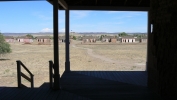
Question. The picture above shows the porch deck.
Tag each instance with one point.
(89, 85)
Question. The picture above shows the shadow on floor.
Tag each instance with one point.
(88, 85)
(103, 85)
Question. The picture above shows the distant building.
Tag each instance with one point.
(9, 39)
(127, 39)
(43, 39)
(112, 39)
(25, 39)
(143, 39)
(62, 39)
(89, 39)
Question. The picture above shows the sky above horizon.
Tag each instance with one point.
(37, 16)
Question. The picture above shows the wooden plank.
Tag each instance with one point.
(5, 93)
(27, 94)
(141, 76)
(26, 77)
(115, 76)
(65, 95)
(52, 95)
(110, 75)
(138, 77)
(95, 74)
(98, 74)
(109, 8)
(23, 86)
(132, 78)
(87, 73)
(126, 78)
(45, 94)
(26, 68)
(105, 75)
(101, 74)
(1, 89)
(20, 93)
(121, 76)
(60, 95)
(36, 94)
(92, 73)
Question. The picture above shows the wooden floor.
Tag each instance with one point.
(88, 85)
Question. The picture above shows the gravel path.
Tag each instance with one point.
(109, 60)
(91, 53)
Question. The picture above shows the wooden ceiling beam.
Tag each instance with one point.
(63, 4)
(139, 2)
(125, 2)
(110, 2)
(78, 2)
(109, 8)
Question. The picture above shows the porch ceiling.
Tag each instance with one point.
(119, 5)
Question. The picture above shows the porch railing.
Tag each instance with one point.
(51, 74)
(19, 74)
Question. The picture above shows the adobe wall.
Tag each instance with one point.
(162, 68)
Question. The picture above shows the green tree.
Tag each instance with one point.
(123, 34)
(74, 37)
(101, 37)
(30, 36)
(4, 46)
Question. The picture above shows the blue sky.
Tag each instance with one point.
(37, 16)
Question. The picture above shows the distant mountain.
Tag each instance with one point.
(63, 33)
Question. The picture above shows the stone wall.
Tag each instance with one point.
(162, 64)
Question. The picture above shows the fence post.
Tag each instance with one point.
(32, 81)
(18, 73)
(51, 73)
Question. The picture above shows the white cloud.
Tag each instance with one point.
(110, 12)
(80, 14)
(62, 30)
(46, 30)
(51, 30)
(42, 16)
(129, 16)
(113, 12)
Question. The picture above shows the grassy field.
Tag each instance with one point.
(82, 57)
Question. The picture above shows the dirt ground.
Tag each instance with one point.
(121, 57)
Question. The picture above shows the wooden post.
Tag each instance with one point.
(55, 34)
(67, 43)
(148, 42)
(32, 81)
(18, 73)
(51, 74)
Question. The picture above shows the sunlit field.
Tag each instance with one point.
(120, 57)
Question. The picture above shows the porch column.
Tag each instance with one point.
(148, 40)
(55, 41)
(67, 42)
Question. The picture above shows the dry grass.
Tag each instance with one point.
(36, 57)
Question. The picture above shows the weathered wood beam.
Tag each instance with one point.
(125, 2)
(149, 42)
(109, 8)
(63, 4)
(139, 2)
(55, 44)
(110, 2)
(67, 42)
(78, 2)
